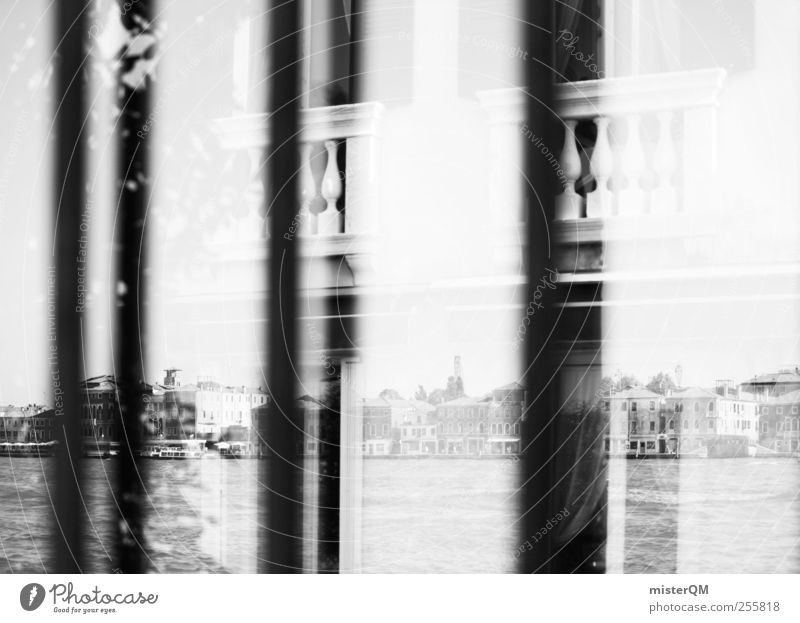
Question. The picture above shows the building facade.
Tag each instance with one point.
(722, 421)
(765, 386)
(378, 433)
(780, 422)
(28, 424)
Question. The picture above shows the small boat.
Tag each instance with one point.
(100, 449)
(173, 449)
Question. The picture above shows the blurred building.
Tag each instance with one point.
(722, 421)
(780, 422)
(766, 386)
(378, 435)
(29, 424)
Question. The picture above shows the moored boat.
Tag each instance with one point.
(173, 449)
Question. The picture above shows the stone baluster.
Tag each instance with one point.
(664, 199)
(601, 165)
(569, 203)
(330, 221)
(308, 190)
(631, 199)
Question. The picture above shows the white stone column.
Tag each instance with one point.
(351, 468)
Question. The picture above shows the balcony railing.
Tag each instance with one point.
(631, 146)
(340, 141)
(354, 128)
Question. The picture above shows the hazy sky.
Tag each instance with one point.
(433, 207)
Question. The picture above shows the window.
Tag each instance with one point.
(672, 424)
(652, 426)
(765, 410)
(779, 427)
(652, 405)
(779, 410)
(651, 445)
(697, 407)
(794, 410)
(764, 427)
(623, 406)
(697, 424)
(633, 406)
(685, 424)
(711, 407)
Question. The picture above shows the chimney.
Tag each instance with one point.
(723, 387)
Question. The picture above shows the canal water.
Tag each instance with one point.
(425, 516)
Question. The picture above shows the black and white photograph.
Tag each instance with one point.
(454, 297)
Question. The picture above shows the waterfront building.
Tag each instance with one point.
(99, 402)
(418, 429)
(722, 421)
(765, 386)
(208, 409)
(637, 414)
(779, 422)
(29, 424)
(462, 425)
(378, 430)
(505, 419)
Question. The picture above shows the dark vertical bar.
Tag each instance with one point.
(280, 534)
(355, 50)
(66, 361)
(134, 193)
(539, 365)
(329, 500)
(564, 467)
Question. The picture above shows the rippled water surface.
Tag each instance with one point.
(723, 516)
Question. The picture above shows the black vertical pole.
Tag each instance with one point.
(355, 48)
(134, 194)
(539, 365)
(280, 533)
(65, 355)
